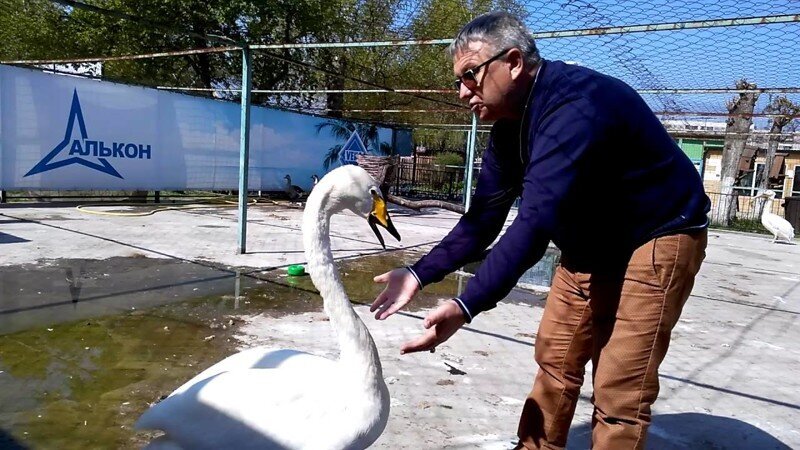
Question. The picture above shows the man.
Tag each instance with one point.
(598, 175)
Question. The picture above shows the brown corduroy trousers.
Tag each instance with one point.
(622, 322)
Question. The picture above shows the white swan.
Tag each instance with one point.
(777, 225)
(285, 399)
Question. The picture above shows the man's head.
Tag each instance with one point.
(494, 57)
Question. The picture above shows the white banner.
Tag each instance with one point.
(70, 133)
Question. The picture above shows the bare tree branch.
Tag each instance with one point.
(419, 204)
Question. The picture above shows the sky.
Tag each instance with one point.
(699, 58)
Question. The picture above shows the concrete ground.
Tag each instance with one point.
(728, 381)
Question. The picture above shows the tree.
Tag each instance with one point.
(42, 29)
(786, 111)
(737, 129)
(38, 29)
(29, 28)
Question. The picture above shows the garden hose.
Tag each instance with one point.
(225, 203)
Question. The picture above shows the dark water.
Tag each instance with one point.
(86, 346)
(540, 275)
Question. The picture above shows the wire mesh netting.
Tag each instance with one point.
(661, 48)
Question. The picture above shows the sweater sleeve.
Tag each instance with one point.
(494, 194)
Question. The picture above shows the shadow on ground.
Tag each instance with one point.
(692, 431)
(7, 442)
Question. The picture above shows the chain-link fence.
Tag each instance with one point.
(684, 57)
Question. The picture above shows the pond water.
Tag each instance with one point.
(86, 346)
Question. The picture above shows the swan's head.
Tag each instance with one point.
(351, 187)
(770, 194)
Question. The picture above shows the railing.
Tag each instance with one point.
(745, 207)
(427, 182)
(447, 183)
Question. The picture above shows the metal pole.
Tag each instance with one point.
(671, 26)
(244, 150)
(318, 91)
(470, 161)
(676, 91)
(237, 289)
(414, 168)
(198, 51)
(466, 167)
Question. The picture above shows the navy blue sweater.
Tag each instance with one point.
(597, 174)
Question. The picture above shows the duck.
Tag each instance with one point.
(777, 225)
(294, 192)
(285, 398)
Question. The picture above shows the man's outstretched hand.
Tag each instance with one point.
(440, 324)
(401, 287)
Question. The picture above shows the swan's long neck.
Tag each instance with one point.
(358, 350)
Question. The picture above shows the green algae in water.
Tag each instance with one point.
(83, 385)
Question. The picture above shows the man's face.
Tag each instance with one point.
(489, 99)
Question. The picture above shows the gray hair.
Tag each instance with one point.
(499, 30)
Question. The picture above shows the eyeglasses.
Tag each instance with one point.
(470, 77)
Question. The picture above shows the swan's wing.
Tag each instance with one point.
(778, 225)
(252, 408)
(260, 358)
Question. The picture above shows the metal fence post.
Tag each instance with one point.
(470, 162)
(450, 187)
(244, 149)
(414, 168)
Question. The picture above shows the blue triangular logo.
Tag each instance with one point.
(351, 148)
(75, 114)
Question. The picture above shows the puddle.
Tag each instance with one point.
(66, 290)
(83, 384)
(537, 277)
(86, 346)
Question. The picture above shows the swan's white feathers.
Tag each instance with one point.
(285, 399)
(252, 408)
(261, 358)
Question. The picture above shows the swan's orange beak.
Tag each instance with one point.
(380, 216)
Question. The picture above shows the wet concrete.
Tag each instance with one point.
(65, 290)
(729, 367)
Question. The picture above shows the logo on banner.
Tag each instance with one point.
(351, 148)
(79, 149)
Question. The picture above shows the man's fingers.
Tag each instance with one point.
(433, 318)
(380, 309)
(380, 300)
(382, 278)
(426, 342)
(391, 309)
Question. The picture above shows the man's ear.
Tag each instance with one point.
(516, 63)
